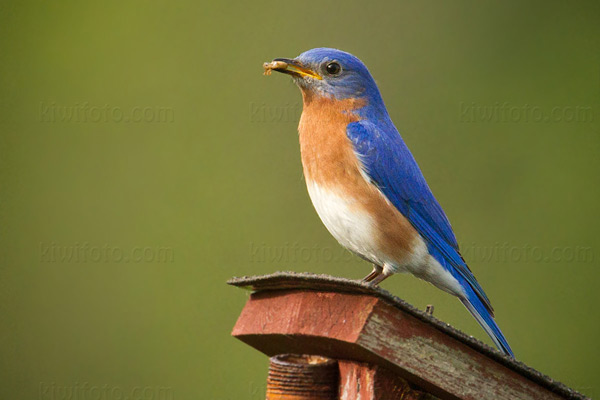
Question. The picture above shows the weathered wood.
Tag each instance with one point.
(353, 322)
(372, 382)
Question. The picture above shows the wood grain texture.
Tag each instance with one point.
(371, 382)
(279, 281)
(362, 327)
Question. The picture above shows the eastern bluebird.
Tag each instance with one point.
(366, 186)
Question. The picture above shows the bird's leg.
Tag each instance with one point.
(429, 309)
(374, 274)
(379, 278)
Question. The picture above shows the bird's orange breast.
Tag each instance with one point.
(327, 154)
(330, 162)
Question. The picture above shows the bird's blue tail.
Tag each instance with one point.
(485, 319)
(474, 298)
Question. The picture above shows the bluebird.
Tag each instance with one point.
(366, 186)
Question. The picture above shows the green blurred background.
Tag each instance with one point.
(144, 160)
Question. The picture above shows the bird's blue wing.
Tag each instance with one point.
(390, 165)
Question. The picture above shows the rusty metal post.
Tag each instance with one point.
(302, 377)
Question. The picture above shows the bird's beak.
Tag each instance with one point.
(291, 67)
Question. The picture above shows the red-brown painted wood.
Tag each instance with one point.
(366, 328)
(371, 382)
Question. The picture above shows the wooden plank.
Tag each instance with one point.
(372, 382)
(437, 359)
(365, 328)
(325, 283)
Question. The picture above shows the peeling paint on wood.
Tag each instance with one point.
(353, 322)
(361, 381)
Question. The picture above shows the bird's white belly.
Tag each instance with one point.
(356, 230)
(345, 219)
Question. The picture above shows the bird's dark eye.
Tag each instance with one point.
(333, 68)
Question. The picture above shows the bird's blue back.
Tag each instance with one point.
(391, 167)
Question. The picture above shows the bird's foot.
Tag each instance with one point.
(380, 278)
(429, 309)
(377, 270)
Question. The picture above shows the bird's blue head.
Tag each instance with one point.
(332, 73)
